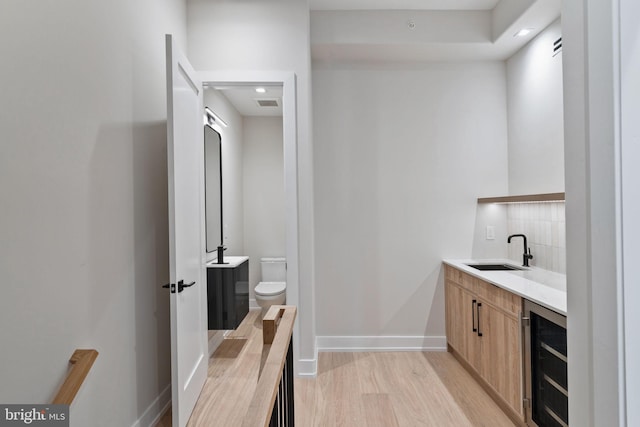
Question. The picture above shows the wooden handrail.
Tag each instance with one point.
(82, 360)
(277, 327)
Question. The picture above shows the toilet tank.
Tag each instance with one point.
(274, 269)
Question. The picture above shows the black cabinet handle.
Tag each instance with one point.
(473, 316)
(479, 332)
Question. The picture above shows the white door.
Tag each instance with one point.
(185, 152)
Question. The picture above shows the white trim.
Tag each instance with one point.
(308, 368)
(154, 412)
(253, 304)
(590, 29)
(618, 97)
(381, 343)
(629, 92)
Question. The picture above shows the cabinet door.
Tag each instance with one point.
(500, 354)
(215, 299)
(454, 319)
(460, 321)
(240, 284)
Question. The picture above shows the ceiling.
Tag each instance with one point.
(403, 4)
(409, 31)
(373, 31)
(245, 99)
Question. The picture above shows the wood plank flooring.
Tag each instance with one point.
(165, 421)
(394, 389)
(232, 377)
(351, 389)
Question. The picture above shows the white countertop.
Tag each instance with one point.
(229, 262)
(543, 287)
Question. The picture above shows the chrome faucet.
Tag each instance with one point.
(526, 256)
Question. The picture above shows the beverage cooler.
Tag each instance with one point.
(545, 345)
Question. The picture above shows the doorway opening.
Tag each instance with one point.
(270, 111)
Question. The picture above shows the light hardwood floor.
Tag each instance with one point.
(165, 421)
(351, 389)
(394, 389)
(391, 389)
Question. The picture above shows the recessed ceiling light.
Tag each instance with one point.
(523, 32)
(261, 90)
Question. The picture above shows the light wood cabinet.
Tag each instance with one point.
(483, 329)
(459, 302)
(461, 325)
(501, 356)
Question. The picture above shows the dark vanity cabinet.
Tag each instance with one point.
(227, 295)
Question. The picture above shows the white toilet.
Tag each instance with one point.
(272, 290)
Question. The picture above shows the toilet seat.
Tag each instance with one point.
(267, 289)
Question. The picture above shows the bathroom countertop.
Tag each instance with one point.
(543, 287)
(229, 262)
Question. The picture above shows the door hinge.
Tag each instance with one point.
(524, 321)
(526, 403)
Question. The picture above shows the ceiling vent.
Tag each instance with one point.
(557, 46)
(267, 102)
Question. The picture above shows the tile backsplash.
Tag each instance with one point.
(544, 226)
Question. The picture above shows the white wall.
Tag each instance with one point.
(536, 130)
(269, 35)
(402, 154)
(232, 175)
(264, 198)
(490, 215)
(83, 184)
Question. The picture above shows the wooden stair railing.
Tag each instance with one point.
(272, 402)
(82, 360)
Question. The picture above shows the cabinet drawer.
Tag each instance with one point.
(463, 279)
(498, 297)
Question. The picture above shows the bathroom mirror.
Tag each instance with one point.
(213, 187)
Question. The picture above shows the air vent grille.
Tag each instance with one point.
(267, 102)
(557, 46)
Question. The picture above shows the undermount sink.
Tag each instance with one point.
(494, 267)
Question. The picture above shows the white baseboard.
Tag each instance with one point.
(253, 304)
(307, 368)
(381, 343)
(156, 410)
